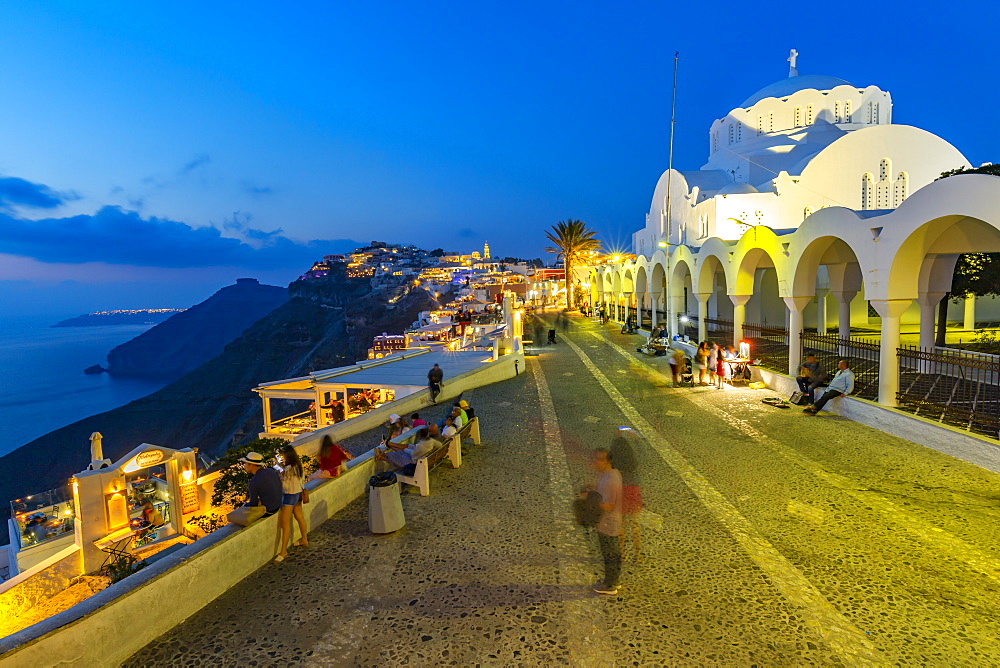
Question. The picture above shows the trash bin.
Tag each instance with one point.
(385, 510)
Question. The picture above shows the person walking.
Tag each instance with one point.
(434, 378)
(609, 527)
(713, 361)
(701, 361)
(623, 456)
(842, 384)
(291, 502)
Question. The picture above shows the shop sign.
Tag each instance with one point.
(189, 498)
(117, 511)
(148, 458)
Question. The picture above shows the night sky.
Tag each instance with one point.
(152, 153)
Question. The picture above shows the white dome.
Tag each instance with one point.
(738, 189)
(786, 87)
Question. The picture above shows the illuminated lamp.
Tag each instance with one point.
(684, 319)
(745, 350)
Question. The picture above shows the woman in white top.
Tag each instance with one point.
(291, 502)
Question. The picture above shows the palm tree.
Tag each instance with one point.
(571, 239)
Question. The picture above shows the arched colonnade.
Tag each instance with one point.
(896, 261)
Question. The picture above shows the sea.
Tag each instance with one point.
(42, 384)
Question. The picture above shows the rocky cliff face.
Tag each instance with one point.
(185, 341)
(327, 322)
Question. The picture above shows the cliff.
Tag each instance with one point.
(188, 339)
(326, 322)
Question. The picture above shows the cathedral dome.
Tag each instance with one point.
(786, 87)
(738, 189)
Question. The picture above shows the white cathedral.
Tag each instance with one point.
(792, 148)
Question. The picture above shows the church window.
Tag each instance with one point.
(871, 113)
(760, 124)
(808, 211)
(867, 186)
(739, 132)
(875, 119)
(715, 141)
(770, 122)
(884, 170)
(900, 188)
(847, 111)
(809, 114)
(730, 134)
(836, 113)
(797, 122)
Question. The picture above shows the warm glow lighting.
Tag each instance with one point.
(684, 318)
(616, 258)
(187, 475)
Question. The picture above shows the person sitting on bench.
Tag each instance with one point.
(395, 457)
(842, 384)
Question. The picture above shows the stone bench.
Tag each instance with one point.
(450, 449)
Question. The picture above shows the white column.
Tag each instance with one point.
(795, 306)
(739, 315)
(702, 298)
(267, 411)
(640, 301)
(821, 301)
(888, 360)
(654, 303)
(928, 302)
(970, 313)
(844, 298)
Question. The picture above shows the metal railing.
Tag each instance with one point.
(954, 387)
(769, 345)
(719, 330)
(861, 354)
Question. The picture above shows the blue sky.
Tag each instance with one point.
(127, 128)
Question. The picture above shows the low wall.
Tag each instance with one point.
(943, 438)
(102, 631)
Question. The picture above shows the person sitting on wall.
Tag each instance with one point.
(842, 384)
(332, 460)
(810, 376)
(417, 421)
(264, 488)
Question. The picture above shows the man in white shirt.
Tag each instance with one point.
(842, 384)
(449, 429)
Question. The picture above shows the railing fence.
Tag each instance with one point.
(769, 345)
(861, 354)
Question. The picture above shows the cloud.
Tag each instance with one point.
(116, 236)
(256, 191)
(467, 233)
(18, 192)
(195, 164)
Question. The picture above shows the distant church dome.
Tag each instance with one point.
(786, 87)
(738, 189)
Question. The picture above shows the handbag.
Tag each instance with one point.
(305, 495)
(246, 515)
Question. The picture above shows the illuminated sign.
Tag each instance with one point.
(144, 459)
(189, 498)
(117, 511)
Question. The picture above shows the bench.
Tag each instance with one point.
(450, 449)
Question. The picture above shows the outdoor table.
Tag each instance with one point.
(738, 369)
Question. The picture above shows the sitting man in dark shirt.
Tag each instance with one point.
(264, 488)
(810, 376)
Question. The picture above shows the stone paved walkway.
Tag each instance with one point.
(771, 538)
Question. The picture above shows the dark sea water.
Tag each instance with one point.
(42, 384)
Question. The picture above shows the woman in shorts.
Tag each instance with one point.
(291, 502)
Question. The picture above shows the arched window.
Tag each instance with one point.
(809, 114)
(837, 118)
(730, 134)
(875, 119)
(715, 141)
(847, 111)
(884, 170)
(867, 188)
(900, 189)
(770, 122)
(797, 117)
(808, 211)
(871, 113)
(760, 125)
(739, 132)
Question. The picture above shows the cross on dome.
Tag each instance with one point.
(792, 57)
